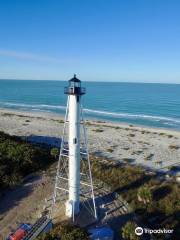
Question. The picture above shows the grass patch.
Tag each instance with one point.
(7, 114)
(149, 157)
(99, 130)
(170, 136)
(174, 147)
(128, 160)
(131, 135)
(61, 121)
(110, 150)
(137, 152)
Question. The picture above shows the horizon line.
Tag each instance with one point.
(99, 81)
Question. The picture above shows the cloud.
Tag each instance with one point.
(30, 56)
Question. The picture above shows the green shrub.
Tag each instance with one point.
(98, 130)
(65, 232)
(110, 150)
(131, 135)
(18, 158)
(144, 194)
(174, 147)
(128, 231)
(54, 152)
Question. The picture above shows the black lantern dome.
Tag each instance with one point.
(74, 87)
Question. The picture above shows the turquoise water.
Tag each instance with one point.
(156, 105)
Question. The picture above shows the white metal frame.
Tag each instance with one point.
(62, 169)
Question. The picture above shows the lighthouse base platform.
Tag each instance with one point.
(72, 208)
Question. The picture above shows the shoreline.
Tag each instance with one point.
(137, 145)
(45, 114)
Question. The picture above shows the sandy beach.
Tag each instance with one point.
(150, 147)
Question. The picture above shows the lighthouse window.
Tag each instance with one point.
(75, 140)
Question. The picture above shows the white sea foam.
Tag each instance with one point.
(128, 115)
(33, 106)
(165, 120)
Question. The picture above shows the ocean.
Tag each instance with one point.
(147, 104)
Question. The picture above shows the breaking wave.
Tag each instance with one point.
(96, 113)
(134, 116)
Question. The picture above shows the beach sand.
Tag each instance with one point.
(150, 147)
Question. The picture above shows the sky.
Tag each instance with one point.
(99, 40)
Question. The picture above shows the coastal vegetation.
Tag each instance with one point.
(155, 202)
(149, 157)
(128, 232)
(55, 152)
(131, 135)
(65, 232)
(144, 195)
(110, 150)
(99, 130)
(174, 147)
(61, 121)
(19, 158)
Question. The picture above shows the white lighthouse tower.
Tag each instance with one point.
(73, 179)
(75, 92)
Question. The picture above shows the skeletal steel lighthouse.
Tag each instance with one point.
(73, 179)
